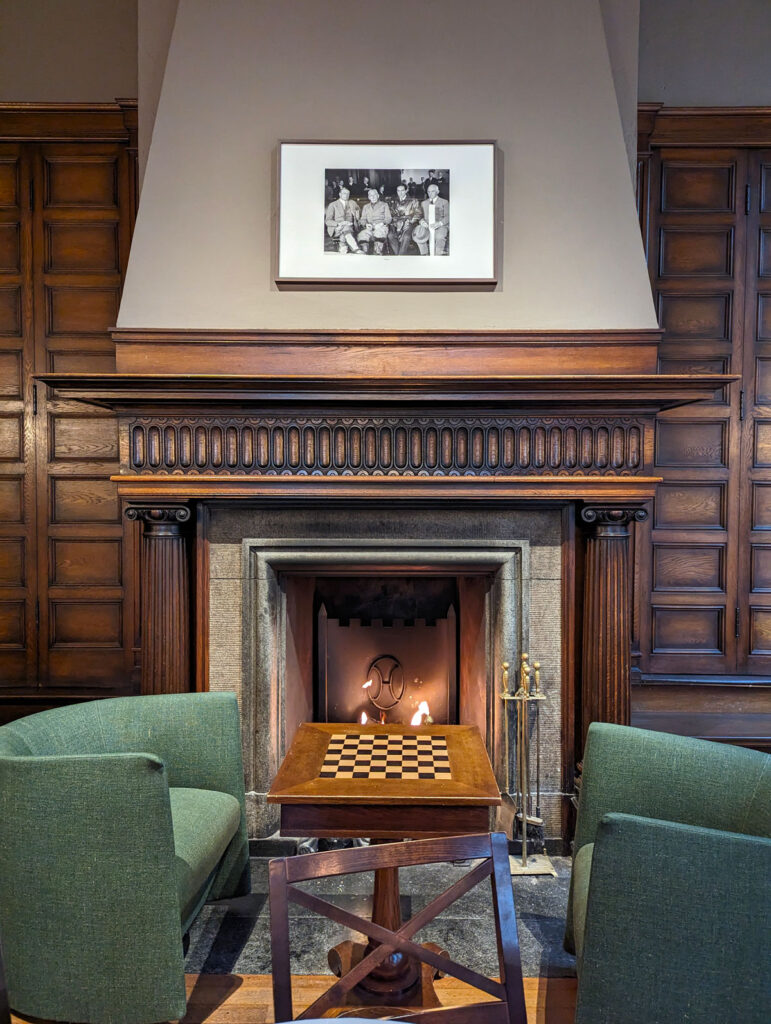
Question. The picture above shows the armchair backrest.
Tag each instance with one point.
(672, 778)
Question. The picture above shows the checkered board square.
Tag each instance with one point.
(386, 756)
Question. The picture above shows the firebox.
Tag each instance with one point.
(387, 649)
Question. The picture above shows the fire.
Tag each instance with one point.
(364, 718)
(421, 714)
(366, 685)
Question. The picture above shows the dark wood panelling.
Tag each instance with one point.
(680, 567)
(696, 253)
(84, 180)
(10, 310)
(10, 248)
(11, 438)
(711, 209)
(83, 500)
(695, 317)
(65, 554)
(691, 443)
(76, 623)
(83, 438)
(86, 563)
(690, 507)
(684, 630)
(82, 248)
(687, 557)
(12, 572)
(73, 310)
(12, 625)
(696, 187)
(12, 500)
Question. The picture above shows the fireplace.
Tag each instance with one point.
(520, 490)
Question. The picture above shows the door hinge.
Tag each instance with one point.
(737, 630)
(741, 404)
(34, 399)
(748, 199)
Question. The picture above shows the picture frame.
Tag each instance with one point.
(368, 214)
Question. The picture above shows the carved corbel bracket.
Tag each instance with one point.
(601, 516)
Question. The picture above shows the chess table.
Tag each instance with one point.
(385, 782)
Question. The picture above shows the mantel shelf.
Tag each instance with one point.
(164, 393)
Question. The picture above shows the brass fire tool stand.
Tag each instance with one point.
(528, 817)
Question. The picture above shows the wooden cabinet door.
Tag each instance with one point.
(689, 553)
(18, 649)
(755, 535)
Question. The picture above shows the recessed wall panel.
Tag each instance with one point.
(91, 563)
(12, 571)
(697, 188)
(760, 630)
(9, 183)
(89, 182)
(11, 500)
(688, 630)
(11, 447)
(12, 625)
(83, 500)
(10, 249)
(73, 248)
(690, 506)
(10, 375)
(691, 443)
(83, 438)
(761, 568)
(691, 317)
(707, 252)
(85, 623)
(10, 311)
(688, 567)
(81, 310)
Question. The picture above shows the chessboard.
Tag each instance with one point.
(386, 756)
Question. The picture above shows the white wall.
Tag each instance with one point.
(68, 51)
(705, 52)
(621, 19)
(240, 75)
(155, 24)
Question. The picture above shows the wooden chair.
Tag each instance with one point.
(508, 1007)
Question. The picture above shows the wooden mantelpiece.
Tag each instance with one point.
(581, 442)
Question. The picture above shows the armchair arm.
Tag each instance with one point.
(88, 889)
(198, 738)
(678, 925)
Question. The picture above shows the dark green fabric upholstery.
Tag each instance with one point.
(678, 926)
(670, 898)
(672, 778)
(100, 867)
(203, 823)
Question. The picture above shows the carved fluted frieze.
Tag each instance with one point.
(371, 446)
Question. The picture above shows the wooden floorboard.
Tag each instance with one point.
(248, 998)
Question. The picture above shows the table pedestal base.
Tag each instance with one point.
(375, 992)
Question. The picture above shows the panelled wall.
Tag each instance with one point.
(704, 559)
(67, 624)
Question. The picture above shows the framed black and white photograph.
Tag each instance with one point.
(369, 212)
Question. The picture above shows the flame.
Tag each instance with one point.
(364, 718)
(367, 684)
(422, 712)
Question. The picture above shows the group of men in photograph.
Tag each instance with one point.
(390, 225)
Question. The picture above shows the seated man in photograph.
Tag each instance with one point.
(436, 220)
(342, 220)
(375, 219)
(405, 214)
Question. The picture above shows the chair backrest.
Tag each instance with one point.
(508, 1006)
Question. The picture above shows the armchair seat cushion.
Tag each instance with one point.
(204, 822)
(582, 870)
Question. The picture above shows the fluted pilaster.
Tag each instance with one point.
(164, 598)
(607, 616)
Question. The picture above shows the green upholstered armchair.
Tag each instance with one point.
(670, 897)
(119, 819)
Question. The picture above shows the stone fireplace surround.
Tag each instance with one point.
(496, 422)
(518, 550)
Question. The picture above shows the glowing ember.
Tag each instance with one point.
(366, 685)
(421, 714)
(364, 718)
